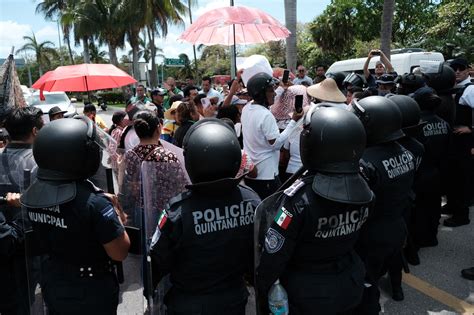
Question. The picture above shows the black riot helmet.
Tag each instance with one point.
(257, 86)
(408, 108)
(381, 118)
(211, 151)
(333, 140)
(67, 150)
(409, 83)
(331, 144)
(353, 79)
(443, 81)
(338, 77)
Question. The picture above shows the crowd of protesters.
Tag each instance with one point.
(437, 126)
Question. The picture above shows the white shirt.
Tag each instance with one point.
(293, 145)
(467, 97)
(213, 93)
(258, 127)
(299, 80)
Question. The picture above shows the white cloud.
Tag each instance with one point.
(48, 33)
(13, 32)
(12, 35)
(210, 5)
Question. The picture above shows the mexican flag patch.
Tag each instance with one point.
(283, 218)
(162, 220)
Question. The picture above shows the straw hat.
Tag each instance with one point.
(170, 111)
(327, 91)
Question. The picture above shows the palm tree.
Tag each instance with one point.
(44, 51)
(386, 31)
(54, 9)
(73, 17)
(101, 19)
(290, 20)
(97, 55)
(144, 51)
(186, 71)
(162, 14)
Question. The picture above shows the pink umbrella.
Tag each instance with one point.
(252, 26)
(84, 77)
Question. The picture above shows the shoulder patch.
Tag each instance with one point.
(283, 218)
(162, 219)
(273, 241)
(107, 212)
(291, 191)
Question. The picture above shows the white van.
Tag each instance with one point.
(402, 63)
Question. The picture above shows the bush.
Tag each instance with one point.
(112, 97)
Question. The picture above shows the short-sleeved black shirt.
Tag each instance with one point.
(76, 231)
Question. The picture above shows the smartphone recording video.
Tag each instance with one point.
(298, 103)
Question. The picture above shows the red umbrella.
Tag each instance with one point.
(84, 77)
(252, 26)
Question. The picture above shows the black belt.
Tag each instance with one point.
(337, 264)
(86, 270)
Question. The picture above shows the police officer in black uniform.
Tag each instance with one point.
(435, 136)
(389, 169)
(412, 127)
(204, 237)
(77, 229)
(443, 83)
(309, 246)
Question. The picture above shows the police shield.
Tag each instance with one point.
(264, 215)
(18, 272)
(132, 290)
(161, 181)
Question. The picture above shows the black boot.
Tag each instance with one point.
(468, 273)
(397, 294)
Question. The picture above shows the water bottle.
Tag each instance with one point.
(278, 299)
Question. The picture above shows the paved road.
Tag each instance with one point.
(435, 287)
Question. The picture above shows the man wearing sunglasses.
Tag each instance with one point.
(460, 160)
(301, 77)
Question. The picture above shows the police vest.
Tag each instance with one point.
(330, 230)
(391, 170)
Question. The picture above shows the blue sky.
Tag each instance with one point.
(18, 18)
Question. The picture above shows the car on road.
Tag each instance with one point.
(52, 99)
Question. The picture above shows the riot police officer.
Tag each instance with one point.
(77, 230)
(412, 128)
(16, 292)
(435, 136)
(389, 170)
(309, 245)
(204, 236)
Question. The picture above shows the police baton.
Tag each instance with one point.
(111, 190)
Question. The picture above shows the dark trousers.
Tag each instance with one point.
(377, 264)
(230, 302)
(331, 290)
(459, 190)
(263, 188)
(70, 294)
(425, 218)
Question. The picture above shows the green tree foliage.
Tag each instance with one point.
(345, 21)
(274, 51)
(453, 32)
(43, 51)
